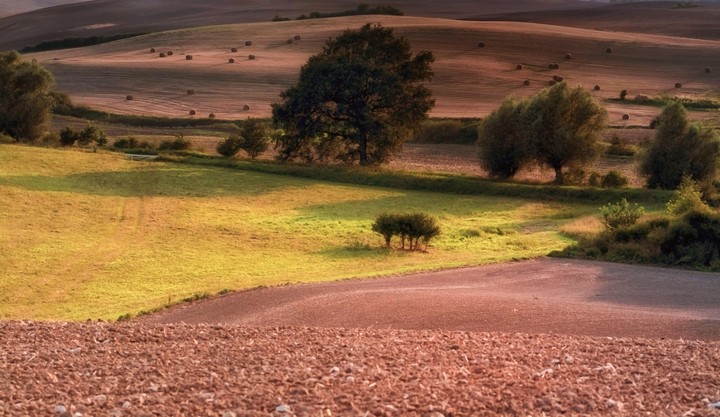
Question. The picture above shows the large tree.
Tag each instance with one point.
(357, 99)
(565, 124)
(680, 148)
(25, 101)
(504, 139)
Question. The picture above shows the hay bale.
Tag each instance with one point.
(152, 50)
(596, 88)
(190, 92)
(678, 85)
(608, 50)
(554, 66)
(481, 44)
(708, 70)
(297, 37)
(246, 107)
(211, 116)
(526, 82)
(626, 116)
(192, 113)
(188, 57)
(251, 57)
(162, 54)
(248, 43)
(129, 97)
(518, 67)
(169, 53)
(557, 78)
(568, 55)
(233, 49)
(231, 60)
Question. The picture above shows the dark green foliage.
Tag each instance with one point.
(614, 179)
(230, 146)
(362, 9)
(177, 144)
(565, 124)
(89, 134)
(363, 93)
(623, 94)
(131, 143)
(619, 147)
(255, 138)
(68, 137)
(25, 100)
(679, 149)
(620, 215)
(409, 227)
(76, 42)
(694, 239)
(447, 131)
(504, 140)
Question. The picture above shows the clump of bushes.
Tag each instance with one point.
(623, 94)
(131, 143)
(253, 139)
(177, 144)
(619, 147)
(447, 131)
(620, 215)
(90, 133)
(410, 228)
(614, 179)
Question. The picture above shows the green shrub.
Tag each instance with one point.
(131, 143)
(687, 197)
(255, 139)
(178, 144)
(620, 215)
(694, 239)
(230, 146)
(409, 227)
(447, 131)
(618, 147)
(614, 179)
(89, 134)
(67, 137)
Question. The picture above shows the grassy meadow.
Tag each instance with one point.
(93, 236)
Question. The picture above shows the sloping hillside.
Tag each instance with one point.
(469, 80)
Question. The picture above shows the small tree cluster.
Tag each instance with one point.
(680, 148)
(409, 228)
(253, 139)
(90, 133)
(559, 127)
(620, 215)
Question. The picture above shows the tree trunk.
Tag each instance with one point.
(559, 178)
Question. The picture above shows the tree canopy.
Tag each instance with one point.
(25, 101)
(680, 148)
(357, 100)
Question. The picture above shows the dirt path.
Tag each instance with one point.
(539, 296)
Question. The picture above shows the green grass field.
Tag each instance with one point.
(94, 236)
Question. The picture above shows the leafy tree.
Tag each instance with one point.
(255, 139)
(230, 146)
(68, 137)
(687, 197)
(363, 94)
(565, 124)
(680, 148)
(620, 215)
(409, 227)
(503, 140)
(25, 101)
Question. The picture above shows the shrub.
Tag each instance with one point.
(178, 144)
(67, 137)
(409, 227)
(289, 41)
(618, 147)
(255, 139)
(620, 215)
(623, 94)
(694, 240)
(614, 179)
(594, 179)
(230, 146)
(131, 143)
(446, 131)
(687, 197)
(91, 134)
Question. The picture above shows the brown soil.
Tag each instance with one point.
(202, 370)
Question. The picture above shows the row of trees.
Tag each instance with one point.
(409, 227)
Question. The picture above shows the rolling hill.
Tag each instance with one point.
(469, 80)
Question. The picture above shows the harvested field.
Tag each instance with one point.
(122, 370)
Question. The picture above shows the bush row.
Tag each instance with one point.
(409, 228)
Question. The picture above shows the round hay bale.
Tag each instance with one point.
(297, 37)
(526, 82)
(190, 92)
(518, 67)
(557, 78)
(248, 43)
(552, 82)
(129, 97)
(626, 116)
(568, 55)
(554, 66)
(188, 57)
(192, 113)
(596, 88)
(608, 50)
(251, 57)
(169, 53)
(678, 85)
(231, 60)
(246, 107)
(162, 54)
(289, 41)
(152, 50)
(233, 49)
(211, 116)
(708, 70)
(481, 44)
